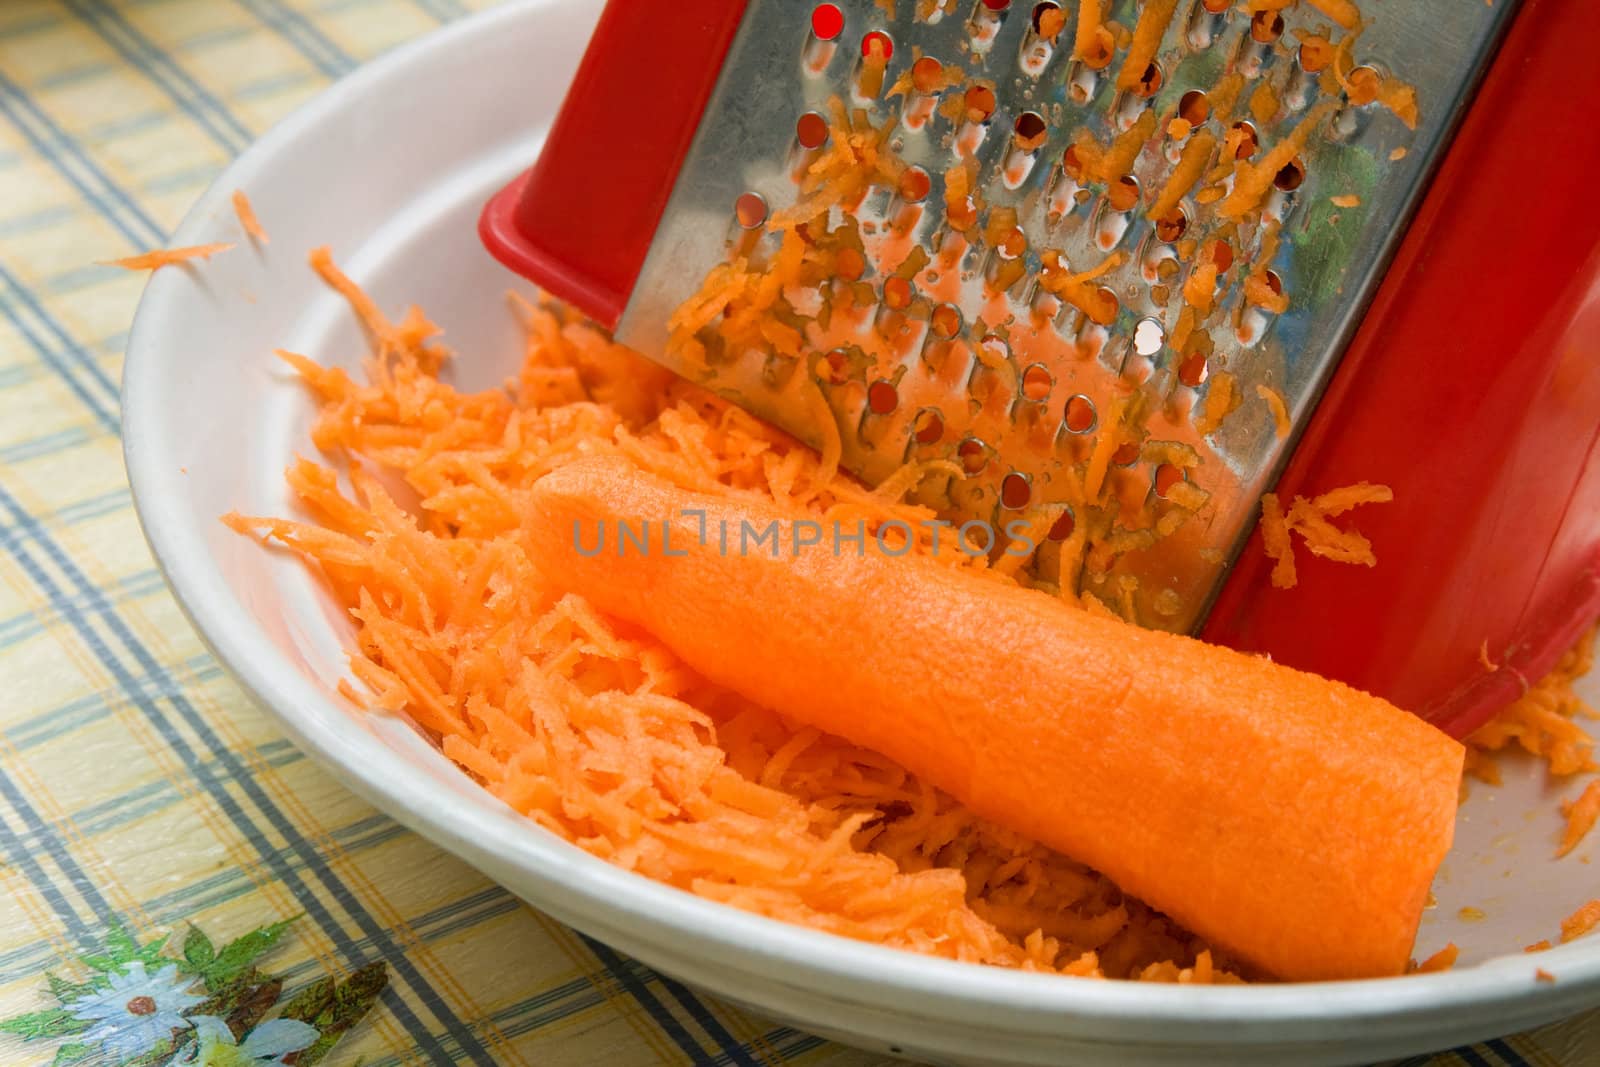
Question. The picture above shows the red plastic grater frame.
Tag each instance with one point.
(592, 259)
(1420, 400)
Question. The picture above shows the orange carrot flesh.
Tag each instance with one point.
(167, 257)
(1288, 818)
(1581, 815)
(248, 218)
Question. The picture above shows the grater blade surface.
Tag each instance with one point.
(1141, 426)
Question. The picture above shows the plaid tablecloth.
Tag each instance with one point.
(162, 849)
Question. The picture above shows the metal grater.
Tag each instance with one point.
(1017, 387)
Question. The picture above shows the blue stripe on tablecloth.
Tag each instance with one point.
(47, 445)
(304, 37)
(68, 158)
(441, 10)
(19, 628)
(52, 358)
(191, 97)
(618, 968)
(25, 861)
(54, 845)
(64, 350)
(733, 1051)
(1509, 1055)
(466, 1042)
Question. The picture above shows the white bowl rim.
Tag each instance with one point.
(372, 769)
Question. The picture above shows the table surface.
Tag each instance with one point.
(162, 848)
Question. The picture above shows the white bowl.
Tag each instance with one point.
(390, 167)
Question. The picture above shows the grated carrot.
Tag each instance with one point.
(167, 257)
(1280, 411)
(1542, 721)
(247, 217)
(1581, 921)
(1442, 960)
(602, 735)
(1310, 519)
(1581, 815)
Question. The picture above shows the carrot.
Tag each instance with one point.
(166, 257)
(1580, 815)
(1289, 818)
(247, 217)
(1442, 960)
(1581, 921)
(1344, 12)
(1147, 34)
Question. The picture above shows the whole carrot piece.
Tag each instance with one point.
(1286, 817)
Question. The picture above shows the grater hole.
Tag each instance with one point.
(1062, 528)
(897, 293)
(1047, 10)
(1193, 370)
(877, 44)
(1166, 477)
(1216, 7)
(1363, 86)
(751, 210)
(827, 22)
(1220, 252)
(849, 265)
(1106, 304)
(882, 397)
(1148, 337)
(1071, 165)
(1273, 282)
(811, 130)
(1291, 176)
(980, 103)
(1037, 383)
(1124, 193)
(1031, 130)
(1315, 55)
(1195, 107)
(945, 322)
(1149, 82)
(1266, 26)
(1080, 416)
(915, 185)
(835, 367)
(1171, 227)
(928, 427)
(1248, 140)
(1015, 491)
(927, 74)
(996, 5)
(1126, 455)
(974, 455)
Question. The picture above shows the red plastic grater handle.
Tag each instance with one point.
(580, 222)
(1473, 389)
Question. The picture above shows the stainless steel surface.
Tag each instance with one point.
(1328, 259)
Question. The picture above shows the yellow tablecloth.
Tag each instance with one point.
(141, 796)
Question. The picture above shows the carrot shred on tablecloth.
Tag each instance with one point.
(167, 257)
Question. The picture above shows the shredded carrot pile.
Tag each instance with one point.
(166, 257)
(1542, 722)
(596, 731)
(247, 217)
(1311, 520)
